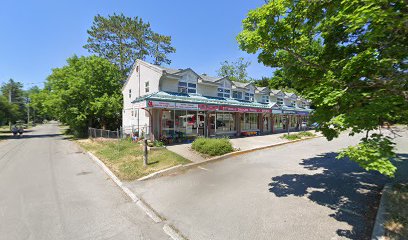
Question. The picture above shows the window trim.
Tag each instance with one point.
(147, 87)
(186, 89)
(238, 93)
(224, 93)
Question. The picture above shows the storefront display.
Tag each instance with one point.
(249, 121)
(181, 122)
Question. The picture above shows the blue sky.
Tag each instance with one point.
(37, 36)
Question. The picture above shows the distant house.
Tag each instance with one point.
(181, 104)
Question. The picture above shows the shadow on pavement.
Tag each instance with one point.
(39, 135)
(342, 186)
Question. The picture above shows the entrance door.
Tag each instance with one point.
(211, 124)
(201, 126)
(266, 123)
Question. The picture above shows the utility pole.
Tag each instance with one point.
(28, 112)
(10, 103)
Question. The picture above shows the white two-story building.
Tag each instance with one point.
(178, 104)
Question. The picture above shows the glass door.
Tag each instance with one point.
(201, 124)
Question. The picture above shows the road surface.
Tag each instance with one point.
(295, 191)
(49, 189)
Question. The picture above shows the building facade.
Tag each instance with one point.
(176, 105)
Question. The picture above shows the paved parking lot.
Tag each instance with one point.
(296, 191)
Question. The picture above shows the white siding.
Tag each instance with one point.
(169, 84)
(207, 90)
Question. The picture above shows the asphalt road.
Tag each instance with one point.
(50, 190)
(296, 191)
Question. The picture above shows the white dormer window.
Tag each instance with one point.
(249, 96)
(265, 99)
(236, 95)
(293, 103)
(279, 101)
(224, 92)
(184, 87)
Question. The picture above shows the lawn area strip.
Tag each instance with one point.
(396, 220)
(125, 158)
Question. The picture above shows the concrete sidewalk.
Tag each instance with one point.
(242, 144)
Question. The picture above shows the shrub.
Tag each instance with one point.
(306, 134)
(291, 136)
(212, 146)
(296, 136)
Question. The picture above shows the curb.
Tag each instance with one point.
(169, 230)
(159, 173)
(172, 232)
(178, 168)
(378, 230)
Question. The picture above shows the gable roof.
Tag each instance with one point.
(262, 89)
(240, 84)
(275, 92)
(209, 78)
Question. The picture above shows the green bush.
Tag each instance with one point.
(299, 135)
(291, 136)
(212, 146)
(306, 134)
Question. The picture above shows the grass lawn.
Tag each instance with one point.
(125, 158)
(396, 224)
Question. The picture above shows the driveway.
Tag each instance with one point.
(296, 191)
(49, 189)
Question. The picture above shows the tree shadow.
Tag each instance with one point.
(51, 135)
(340, 185)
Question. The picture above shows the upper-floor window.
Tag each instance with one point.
(224, 92)
(130, 93)
(265, 98)
(279, 101)
(184, 87)
(147, 87)
(293, 103)
(236, 95)
(249, 97)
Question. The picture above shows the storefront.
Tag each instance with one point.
(182, 122)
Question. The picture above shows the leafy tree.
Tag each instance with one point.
(122, 40)
(84, 93)
(160, 48)
(13, 91)
(236, 71)
(8, 111)
(348, 57)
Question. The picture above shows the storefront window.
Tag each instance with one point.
(249, 121)
(266, 123)
(293, 119)
(191, 123)
(167, 123)
(225, 122)
(180, 120)
(278, 124)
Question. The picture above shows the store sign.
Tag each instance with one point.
(229, 109)
(289, 112)
(159, 104)
(187, 106)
